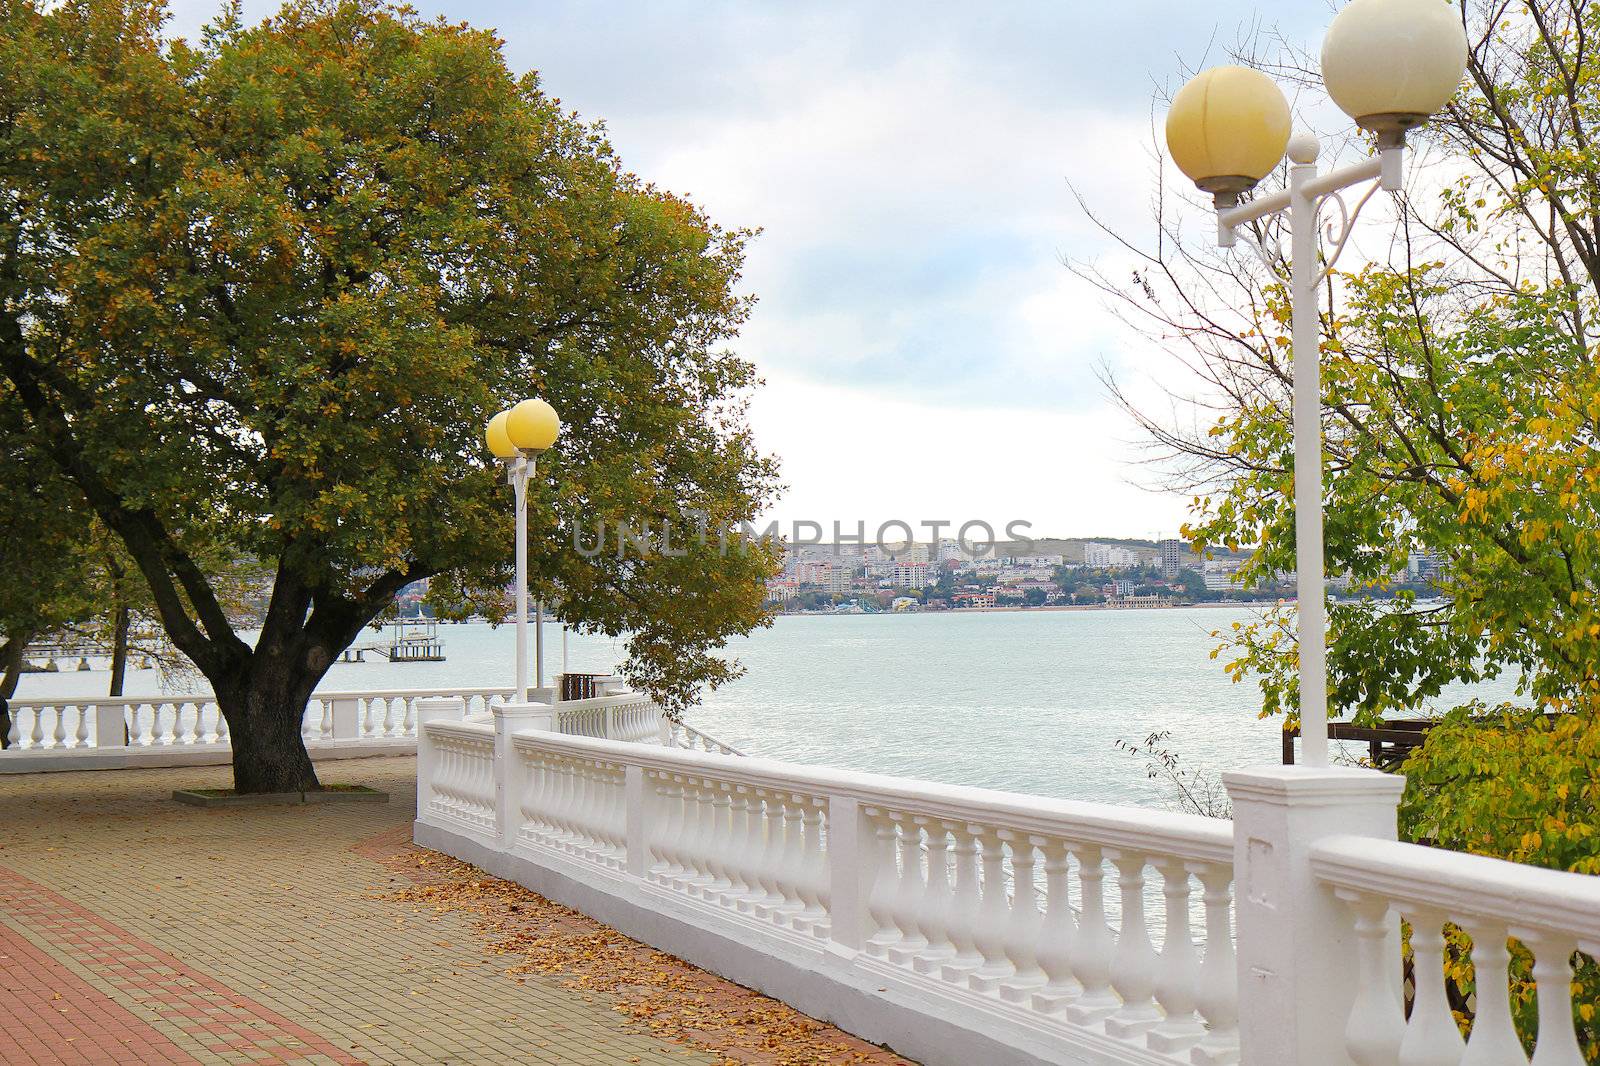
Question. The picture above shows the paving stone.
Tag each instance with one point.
(136, 930)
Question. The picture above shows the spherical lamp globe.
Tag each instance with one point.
(500, 445)
(1389, 64)
(1228, 128)
(532, 425)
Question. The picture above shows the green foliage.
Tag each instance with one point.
(263, 290)
(1520, 786)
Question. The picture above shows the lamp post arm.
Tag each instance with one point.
(1385, 166)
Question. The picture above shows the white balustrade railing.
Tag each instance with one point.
(683, 735)
(1114, 924)
(62, 726)
(461, 784)
(625, 716)
(383, 714)
(46, 724)
(1551, 914)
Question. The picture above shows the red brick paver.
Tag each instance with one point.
(180, 1001)
(53, 1015)
(136, 930)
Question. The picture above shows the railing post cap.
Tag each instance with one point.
(522, 710)
(1313, 785)
(433, 708)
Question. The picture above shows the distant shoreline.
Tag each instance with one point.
(1040, 610)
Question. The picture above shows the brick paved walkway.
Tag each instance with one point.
(133, 930)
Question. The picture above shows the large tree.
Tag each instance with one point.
(259, 294)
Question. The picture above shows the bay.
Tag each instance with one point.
(1027, 701)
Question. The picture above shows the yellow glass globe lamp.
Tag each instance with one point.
(500, 445)
(532, 425)
(1227, 129)
(1390, 64)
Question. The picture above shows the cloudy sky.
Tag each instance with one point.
(926, 354)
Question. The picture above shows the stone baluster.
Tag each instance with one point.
(1494, 1037)
(1133, 967)
(1552, 977)
(560, 793)
(388, 717)
(408, 727)
(527, 799)
(965, 903)
(667, 824)
(58, 729)
(619, 815)
(222, 725)
(1217, 996)
(742, 889)
(445, 778)
(697, 812)
(938, 901)
(1025, 925)
(158, 732)
(590, 809)
(14, 730)
(1056, 934)
(80, 735)
(1093, 944)
(614, 825)
(989, 932)
(705, 830)
(719, 844)
(690, 855)
(552, 790)
(368, 723)
(766, 849)
(535, 798)
(880, 899)
(585, 804)
(575, 822)
(812, 883)
(1178, 975)
(909, 892)
(1377, 1018)
(1431, 1038)
(791, 867)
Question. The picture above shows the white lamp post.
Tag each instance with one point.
(516, 437)
(1389, 64)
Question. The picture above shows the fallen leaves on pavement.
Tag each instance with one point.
(677, 1001)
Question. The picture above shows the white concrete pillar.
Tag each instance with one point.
(346, 714)
(851, 870)
(509, 719)
(110, 725)
(429, 709)
(637, 826)
(1297, 959)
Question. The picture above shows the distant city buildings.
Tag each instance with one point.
(945, 575)
(1109, 556)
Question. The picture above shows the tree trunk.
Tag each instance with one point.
(119, 649)
(264, 705)
(10, 673)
